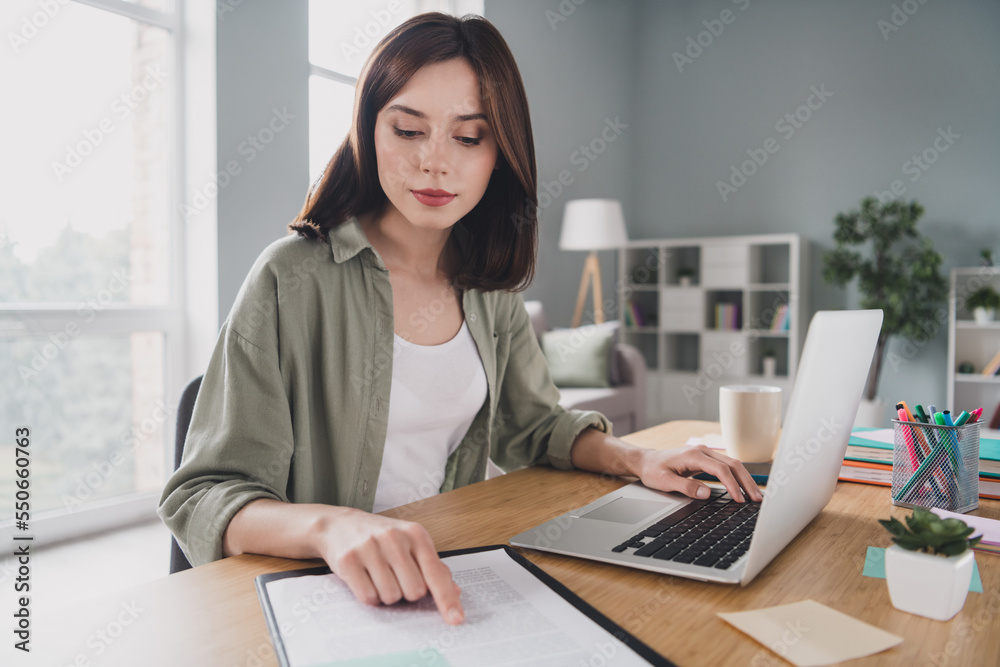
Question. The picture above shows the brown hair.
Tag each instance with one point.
(503, 226)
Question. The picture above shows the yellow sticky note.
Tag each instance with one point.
(809, 634)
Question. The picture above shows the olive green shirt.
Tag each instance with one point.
(294, 402)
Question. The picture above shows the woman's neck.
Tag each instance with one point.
(424, 253)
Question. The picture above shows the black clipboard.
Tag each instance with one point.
(640, 649)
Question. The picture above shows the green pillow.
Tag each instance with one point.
(579, 357)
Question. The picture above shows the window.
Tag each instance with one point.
(90, 319)
(341, 36)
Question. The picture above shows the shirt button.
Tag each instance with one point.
(364, 487)
(472, 318)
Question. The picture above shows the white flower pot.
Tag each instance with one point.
(770, 366)
(872, 414)
(983, 315)
(926, 585)
(685, 281)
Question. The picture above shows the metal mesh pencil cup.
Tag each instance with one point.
(935, 466)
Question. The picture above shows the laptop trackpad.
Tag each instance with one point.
(627, 510)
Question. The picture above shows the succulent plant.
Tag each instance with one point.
(927, 532)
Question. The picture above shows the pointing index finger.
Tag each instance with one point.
(446, 594)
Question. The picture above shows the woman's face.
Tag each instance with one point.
(434, 148)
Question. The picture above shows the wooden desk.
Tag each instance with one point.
(210, 617)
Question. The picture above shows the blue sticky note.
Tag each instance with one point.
(875, 567)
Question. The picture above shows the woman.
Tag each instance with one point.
(384, 351)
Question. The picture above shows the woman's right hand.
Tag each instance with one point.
(386, 560)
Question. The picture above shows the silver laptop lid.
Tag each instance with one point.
(831, 377)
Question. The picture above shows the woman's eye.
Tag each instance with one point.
(409, 134)
(470, 141)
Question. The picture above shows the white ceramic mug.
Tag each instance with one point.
(751, 421)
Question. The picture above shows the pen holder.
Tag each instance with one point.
(935, 466)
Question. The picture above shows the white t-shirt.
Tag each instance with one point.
(437, 390)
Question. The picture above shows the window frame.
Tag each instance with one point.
(170, 319)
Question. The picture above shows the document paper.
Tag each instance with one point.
(511, 618)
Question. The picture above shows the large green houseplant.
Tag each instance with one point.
(898, 272)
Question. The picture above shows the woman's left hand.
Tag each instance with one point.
(671, 470)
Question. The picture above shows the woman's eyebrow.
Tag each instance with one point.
(420, 114)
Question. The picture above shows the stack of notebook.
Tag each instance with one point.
(869, 460)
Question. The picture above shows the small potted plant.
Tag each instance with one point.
(929, 567)
(769, 361)
(685, 275)
(983, 303)
(987, 256)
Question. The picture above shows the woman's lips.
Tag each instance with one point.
(433, 197)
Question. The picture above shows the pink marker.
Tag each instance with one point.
(908, 436)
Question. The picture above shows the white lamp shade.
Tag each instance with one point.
(593, 224)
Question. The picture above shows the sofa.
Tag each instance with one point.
(624, 402)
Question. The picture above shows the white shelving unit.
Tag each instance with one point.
(688, 356)
(972, 343)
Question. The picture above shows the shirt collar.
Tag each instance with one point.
(348, 239)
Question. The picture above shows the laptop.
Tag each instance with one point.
(718, 539)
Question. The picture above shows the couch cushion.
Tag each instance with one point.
(579, 357)
(618, 404)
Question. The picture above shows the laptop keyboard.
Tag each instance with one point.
(713, 532)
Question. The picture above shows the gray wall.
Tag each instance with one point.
(889, 97)
(263, 65)
(685, 129)
(578, 73)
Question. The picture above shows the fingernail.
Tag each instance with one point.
(703, 492)
(454, 617)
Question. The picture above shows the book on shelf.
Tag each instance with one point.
(781, 319)
(993, 367)
(727, 316)
(634, 316)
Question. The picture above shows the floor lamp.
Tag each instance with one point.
(592, 224)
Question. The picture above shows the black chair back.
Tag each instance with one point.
(178, 561)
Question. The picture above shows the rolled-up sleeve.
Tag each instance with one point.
(239, 444)
(531, 427)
